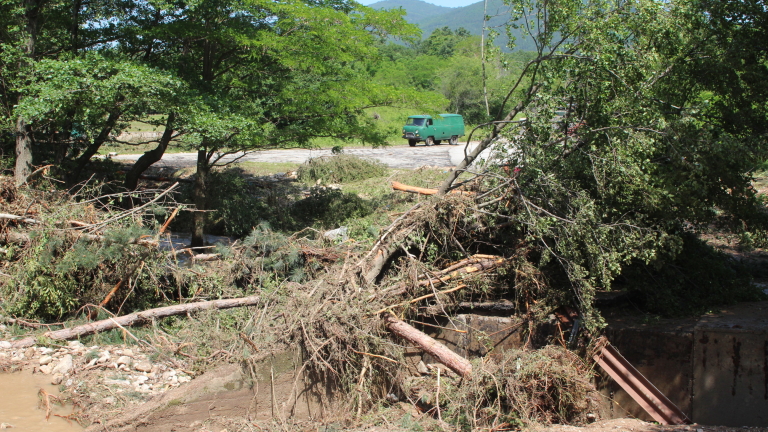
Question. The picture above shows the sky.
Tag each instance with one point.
(447, 3)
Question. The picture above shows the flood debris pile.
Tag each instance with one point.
(340, 302)
(356, 314)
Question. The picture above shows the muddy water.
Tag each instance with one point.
(19, 404)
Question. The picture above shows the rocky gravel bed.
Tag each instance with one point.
(108, 376)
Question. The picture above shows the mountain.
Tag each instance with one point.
(417, 10)
(430, 17)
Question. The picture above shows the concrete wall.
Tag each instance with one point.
(714, 368)
(731, 370)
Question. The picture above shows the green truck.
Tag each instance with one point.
(433, 131)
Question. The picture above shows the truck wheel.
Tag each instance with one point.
(438, 142)
(430, 141)
(454, 140)
(412, 143)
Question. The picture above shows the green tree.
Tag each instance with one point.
(645, 143)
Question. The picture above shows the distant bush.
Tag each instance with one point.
(340, 168)
(330, 208)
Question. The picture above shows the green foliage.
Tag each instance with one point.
(58, 275)
(237, 207)
(330, 208)
(443, 41)
(340, 168)
(690, 282)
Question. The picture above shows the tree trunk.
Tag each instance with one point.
(94, 147)
(200, 198)
(138, 318)
(455, 362)
(23, 151)
(148, 158)
(24, 138)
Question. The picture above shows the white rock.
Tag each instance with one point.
(128, 352)
(45, 359)
(46, 369)
(121, 382)
(184, 378)
(64, 366)
(57, 379)
(141, 379)
(46, 350)
(104, 358)
(92, 362)
(5, 344)
(143, 366)
(69, 382)
(124, 360)
(75, 345)
(30, 352)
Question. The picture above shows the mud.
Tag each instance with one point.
(22, 410)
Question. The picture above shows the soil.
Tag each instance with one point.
(403, 157)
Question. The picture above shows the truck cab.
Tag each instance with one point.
(433, 130)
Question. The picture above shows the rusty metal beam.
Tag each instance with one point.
(642, 391)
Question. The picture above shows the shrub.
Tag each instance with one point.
(697, 279)
(340, 168)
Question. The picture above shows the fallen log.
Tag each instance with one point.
(136, 318)
(420, 190)
(412, 189)
(453, 361)
(14, 238)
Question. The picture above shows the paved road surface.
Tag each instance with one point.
(393, 156)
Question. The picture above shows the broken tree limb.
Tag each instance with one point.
(443, 354)
(420, 190)
(417, 299)
(137, 318)
(413, 189)
(474, 264)
(24, 219)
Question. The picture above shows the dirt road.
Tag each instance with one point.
(394, 156)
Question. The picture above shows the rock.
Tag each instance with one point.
(143, 366)
(45, 359)
(46, 369)
(185, 378)
(57, 379)
(65, 365)
(6, 426)
(30, 352)
(5, 344)
(141, 379)
(422, 368)
(124, 360)
(104, 358)
(46, 351)
(128, 352)
(75, 345)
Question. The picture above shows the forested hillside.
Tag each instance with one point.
(430, 17)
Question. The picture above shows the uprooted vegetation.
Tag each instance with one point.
(410, 258)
